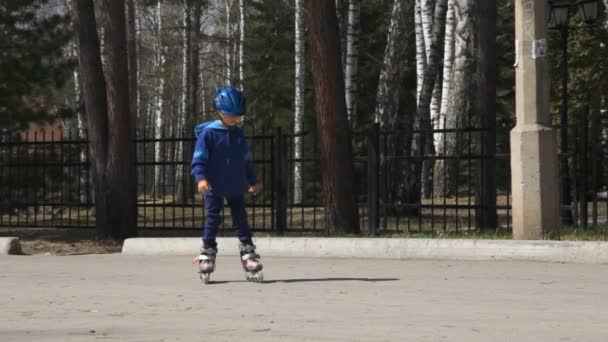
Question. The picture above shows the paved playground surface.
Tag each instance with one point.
(152, 298)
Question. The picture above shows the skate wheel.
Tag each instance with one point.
(205, 277)
(255, 277)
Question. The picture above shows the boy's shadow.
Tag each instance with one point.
(304, 280)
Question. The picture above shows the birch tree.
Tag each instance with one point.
(227, 51)
(422, 121)
(241, 42)
(352, 56)
(459, 100)
(159, 65)
(393, 66)
(298, 99)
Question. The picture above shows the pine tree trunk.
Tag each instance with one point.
(94, 93)
(121, 149)
(486, 110)
(341, 31)
(336, 151)
(459, 101)
(352, 56)
(299, 100)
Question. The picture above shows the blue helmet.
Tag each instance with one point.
(230, 101)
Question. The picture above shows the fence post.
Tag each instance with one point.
(584, 166)
(373, 178)
(280, 182)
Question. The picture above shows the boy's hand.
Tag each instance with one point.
(254, 189)
(203, 186)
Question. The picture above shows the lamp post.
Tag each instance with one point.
(560, 13)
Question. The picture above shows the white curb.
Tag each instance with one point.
(384, 248)
(9, 245)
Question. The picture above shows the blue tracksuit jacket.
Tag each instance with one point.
(221, 156)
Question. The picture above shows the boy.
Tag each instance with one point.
(222, 168)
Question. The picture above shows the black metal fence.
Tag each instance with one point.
(48, 183)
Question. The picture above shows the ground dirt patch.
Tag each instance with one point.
(58, 241)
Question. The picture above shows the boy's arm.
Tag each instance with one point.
(250, 172)
(200, 158)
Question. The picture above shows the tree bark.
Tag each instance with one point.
(352, 56)
(393, 67)
(241, 42)
(422, 122)
(299, 99)
(121, 149)
(486, 110)
(459, 101)
(94, 93)
(132, 51)
(336, 150)
(159, 113)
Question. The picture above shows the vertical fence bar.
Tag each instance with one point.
(373, 178)
(584, 166)
(280, 179)
(595, 162)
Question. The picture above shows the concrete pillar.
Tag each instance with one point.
(534, 166)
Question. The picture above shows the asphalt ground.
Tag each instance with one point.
(160, 298)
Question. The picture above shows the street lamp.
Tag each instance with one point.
(588, 10)
(560, 13)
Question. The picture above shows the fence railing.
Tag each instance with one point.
(48, 183)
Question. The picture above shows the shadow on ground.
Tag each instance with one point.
(305, 280)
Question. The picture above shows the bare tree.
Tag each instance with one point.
(336, 150)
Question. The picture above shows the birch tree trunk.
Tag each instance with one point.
(299, 100)
(352, 57)
(387, 98)
(159, 115)
(448, 61)
(393, 67)
(459, 101)
(78, 130)
(241, 42)
(420, 48)
(422, 122)
(121, 149)
(183, 172)
(336, 151)
(227, 51)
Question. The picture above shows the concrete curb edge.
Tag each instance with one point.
(387, 248)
